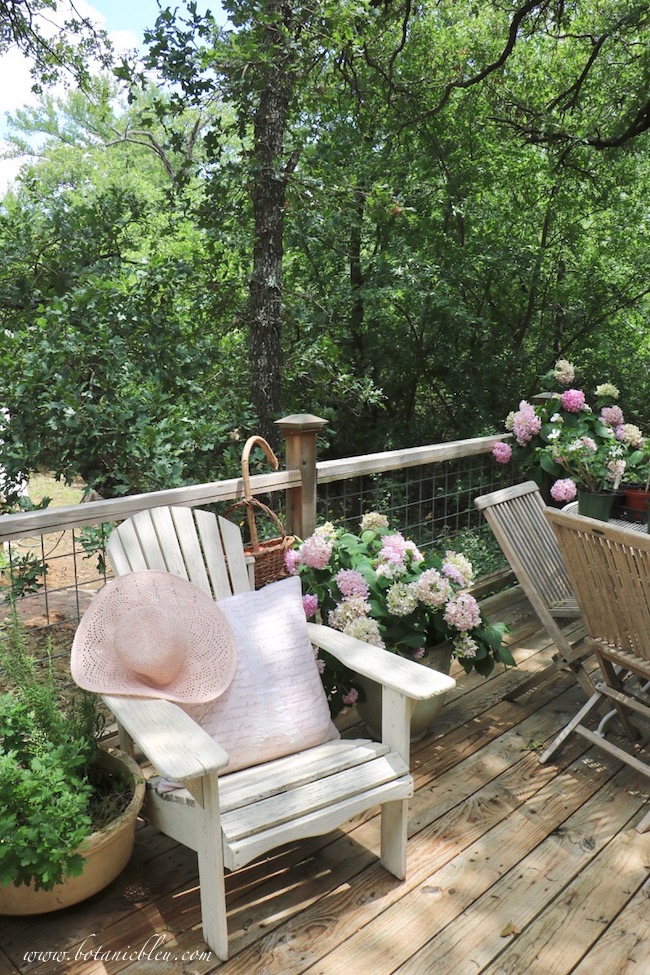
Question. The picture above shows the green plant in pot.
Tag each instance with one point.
(570, 443)
(637, 483)
(61, 795)
(378, 587)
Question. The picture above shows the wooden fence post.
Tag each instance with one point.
(300, 432)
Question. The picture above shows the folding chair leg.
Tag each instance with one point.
(593, 701)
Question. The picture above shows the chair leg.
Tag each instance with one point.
(211, 868)
(571, 726)
(615, 678)
(394, 822)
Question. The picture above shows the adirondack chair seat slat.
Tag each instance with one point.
(293, 802)
(230, 818)
(238, 789)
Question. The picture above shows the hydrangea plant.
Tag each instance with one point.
(379, 587)
(578, 444)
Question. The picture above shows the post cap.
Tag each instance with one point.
(301, 423)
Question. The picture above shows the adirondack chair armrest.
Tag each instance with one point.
(174, 743)
(388, 669)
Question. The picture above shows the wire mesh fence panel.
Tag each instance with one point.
(50, 577)
(422, 501)
(49, 580)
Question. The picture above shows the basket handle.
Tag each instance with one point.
(245, 473)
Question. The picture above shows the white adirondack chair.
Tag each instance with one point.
(231, 819)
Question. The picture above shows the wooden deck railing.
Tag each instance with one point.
(303, 483)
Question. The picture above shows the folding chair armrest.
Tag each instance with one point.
(174, 743)
(405, 676)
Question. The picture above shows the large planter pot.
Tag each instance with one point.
(597, 506)
(424, 713)
(636, 504)
(106, 852)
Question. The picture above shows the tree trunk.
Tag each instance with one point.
(268, 191)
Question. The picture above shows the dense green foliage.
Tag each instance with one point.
(463, 200)
(47, 745)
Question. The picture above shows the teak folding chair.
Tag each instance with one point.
(231, 819)
(516, 517)
(609, 568)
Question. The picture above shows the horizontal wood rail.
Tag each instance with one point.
(26, 524)
(392, 460)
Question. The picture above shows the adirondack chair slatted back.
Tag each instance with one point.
(193, 544)
(516, 517)
(610, 571)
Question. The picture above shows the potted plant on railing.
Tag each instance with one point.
(378, 587)
(636, 486)
(68, 807)
(555, 424)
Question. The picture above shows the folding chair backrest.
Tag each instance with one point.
(516, 517)
(190, 543)
(610, 572)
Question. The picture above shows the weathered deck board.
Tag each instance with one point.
(498, 844)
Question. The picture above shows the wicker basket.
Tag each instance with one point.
(269, 554)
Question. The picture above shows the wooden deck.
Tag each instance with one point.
(513, 867)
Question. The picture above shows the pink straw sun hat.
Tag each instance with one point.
(153, 634)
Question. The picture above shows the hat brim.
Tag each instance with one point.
(210, 661)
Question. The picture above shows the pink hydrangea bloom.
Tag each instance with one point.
(309, 604)
(432, 588)
(526, 424)
(612, 416)
(315, 552)
(564, 490)
(573, 400)
(502, 452)
(589, 443)
(351, 583)
(458, 568)
(292, 560)
(462, 612)
(393, 549)
(416, 554)
(351, 697)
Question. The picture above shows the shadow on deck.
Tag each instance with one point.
(513, 866)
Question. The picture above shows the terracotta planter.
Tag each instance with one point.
(597, 506)
(636, 504)
(425, 712)
(107, 852)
